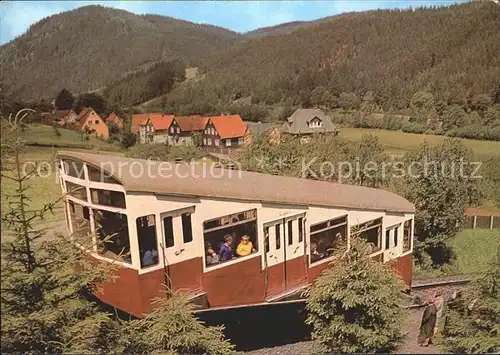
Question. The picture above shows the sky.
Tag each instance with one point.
(240, 16)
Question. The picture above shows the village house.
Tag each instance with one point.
(89, 121)
(305, 122)
(155, 129)
(271, 131)
(223, 133)
(187, 127)
(114, 118)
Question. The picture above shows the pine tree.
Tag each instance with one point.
(473, 325)
(171, 328)
(353, 306)
(44, 309)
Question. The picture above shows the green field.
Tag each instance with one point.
(397, 142)
(472, 249)
(42, 189)
(44, 135)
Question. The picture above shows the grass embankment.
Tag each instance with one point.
(42, 189)
(44, 135)
(473, 249)
(397, 142)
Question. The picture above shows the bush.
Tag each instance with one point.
(341, 304)
(165, 152)
(414, 127)
(128, 140)
(476, 132)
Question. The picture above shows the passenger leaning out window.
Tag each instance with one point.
(226, 253)
(245, 247)
(212, 257)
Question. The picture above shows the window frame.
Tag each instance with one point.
(253, 218)
(376, 223)
(331, 223)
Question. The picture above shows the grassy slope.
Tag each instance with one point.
(42, 189)
(474, 248)
(397, 142)
(44, 134)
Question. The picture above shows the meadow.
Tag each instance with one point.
(398, 143)
(44, 135)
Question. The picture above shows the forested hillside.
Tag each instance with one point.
(450, 52)
(87, 48)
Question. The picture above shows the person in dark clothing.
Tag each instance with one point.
(428, 323)
(226, 253)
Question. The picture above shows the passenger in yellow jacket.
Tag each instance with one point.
(245, 247)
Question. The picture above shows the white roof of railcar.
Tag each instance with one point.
(240, 185)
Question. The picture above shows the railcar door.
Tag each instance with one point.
(275, 257)
(295, 262)
(182, 262)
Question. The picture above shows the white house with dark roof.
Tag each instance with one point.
(305, 122)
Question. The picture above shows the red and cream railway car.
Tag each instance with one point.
(163, 218)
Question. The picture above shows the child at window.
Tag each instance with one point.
(245, 247)
(212, 257)
(226, 253)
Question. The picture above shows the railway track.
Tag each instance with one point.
(421, 289)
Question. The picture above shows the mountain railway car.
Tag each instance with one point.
(226, 237)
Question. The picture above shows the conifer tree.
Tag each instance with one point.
(353, 306)
(473, 324)
(43, 304)
(171, 328)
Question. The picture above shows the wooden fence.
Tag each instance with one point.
(479, 218)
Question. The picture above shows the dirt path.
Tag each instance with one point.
(410, 346)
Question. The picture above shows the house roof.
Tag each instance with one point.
(230, 126)
(83, 116)
(138, 119)
(191, 123)
(84, 112)
(191, 180)
(58, 114)
(159, 121)
(113, 117)
(297, 123)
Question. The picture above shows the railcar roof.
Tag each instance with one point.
(240, 185)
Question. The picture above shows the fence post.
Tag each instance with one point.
(491, 221)
(474, 222)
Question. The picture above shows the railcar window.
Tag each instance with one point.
(301, 229)
(99, 175)
(266, 234)
(407, 236)
(326, 237)
(112, 230)
(168, 230)
(187, 229)
(74, 168)
(148, 246)
(371, 231)
(80, 223)
(290, 232)
(77, 191)
(229, 237)
(108, 198)
(277, 233)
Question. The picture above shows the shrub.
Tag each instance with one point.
(165, 152)
(353, 306)
(414, 127)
